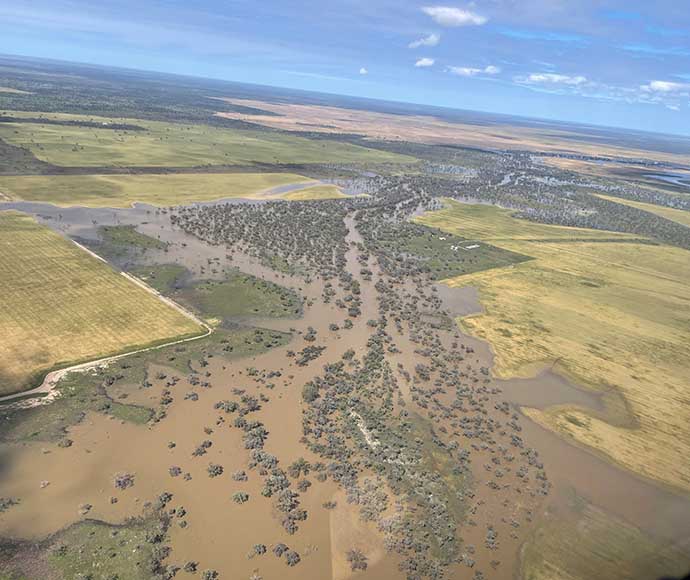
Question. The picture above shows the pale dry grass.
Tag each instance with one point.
(315, 192)
(61, 305)
(615, 316)
(591, 543)
(429, 129)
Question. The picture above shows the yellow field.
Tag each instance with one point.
(159, 190)
(61, 305)
(615, 316)
(675, 215)
(315, 192)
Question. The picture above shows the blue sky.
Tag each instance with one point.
(609, 62)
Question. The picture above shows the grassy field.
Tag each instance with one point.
(129, 236)
(115, 551)
(589, 543)
(613, 313)
(239, 295)
(175, 145)
(443, 255)
(675, 215)
(158, 190)
(314, 192)
(60, 306)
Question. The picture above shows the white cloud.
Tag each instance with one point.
(450, 16)
(551, 79)
(431, 40)
(665, 87)
(363, 71)
(466, 71)
(424, 62)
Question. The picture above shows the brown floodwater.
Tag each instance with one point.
(221, 533)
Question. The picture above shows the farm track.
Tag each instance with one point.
(53, 378)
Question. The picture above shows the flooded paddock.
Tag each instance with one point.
(220, 532)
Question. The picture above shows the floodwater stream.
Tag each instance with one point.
(640, 502)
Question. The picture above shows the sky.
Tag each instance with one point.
(605, 62)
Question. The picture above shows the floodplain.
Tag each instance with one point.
(607, 310)
(390, 383)
(62, 306)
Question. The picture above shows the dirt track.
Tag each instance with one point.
(53, 378)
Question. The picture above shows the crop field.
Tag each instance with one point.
(611, 312)
(315, 192)
(675, 215)
(157, 190)
(60, 306)
(156, 143)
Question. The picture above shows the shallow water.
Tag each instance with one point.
(680, 179)
(104, 447)
(640, 501)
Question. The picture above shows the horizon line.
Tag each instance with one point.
(551, 120)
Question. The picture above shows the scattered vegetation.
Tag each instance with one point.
(585, 303)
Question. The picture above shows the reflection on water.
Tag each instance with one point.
(680, 179)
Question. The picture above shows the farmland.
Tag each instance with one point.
(314, 192)
(61, 306)
(91, 142)
(157, 190)
(608, 311)
(589, 543)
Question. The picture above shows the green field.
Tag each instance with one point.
(158, 190)
(237, 296)
(444, 255)
(611, 311)
(88, 549)
(175, 145)
(128, 236)
(61, 306)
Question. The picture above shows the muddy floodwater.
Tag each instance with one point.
(221, 533)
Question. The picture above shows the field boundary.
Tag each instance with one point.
(52, 378)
